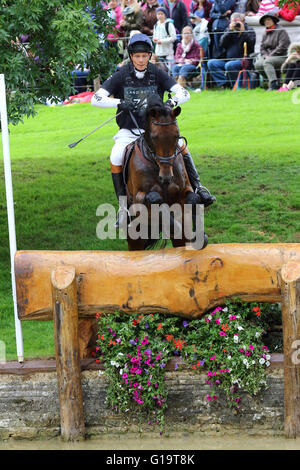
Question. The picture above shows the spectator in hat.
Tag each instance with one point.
(133, 16)
(164, 36)
(150, 19)
(177, 11)
(200, 30)
(273, 49)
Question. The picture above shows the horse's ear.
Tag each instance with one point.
(175, 112)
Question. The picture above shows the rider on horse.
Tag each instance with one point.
(130, 87)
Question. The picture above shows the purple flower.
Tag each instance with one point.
(146, 325)
(185, 323)
(162, 365)
(132, 342)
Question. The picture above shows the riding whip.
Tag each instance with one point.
(106, 122)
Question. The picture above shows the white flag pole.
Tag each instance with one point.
(10, 213)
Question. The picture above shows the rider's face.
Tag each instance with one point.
(140, 60)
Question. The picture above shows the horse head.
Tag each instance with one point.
(161, 135)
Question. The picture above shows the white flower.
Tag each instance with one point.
(253, 362)
(235, 338)
(240, 328)
(261, 361)
(257, 334)
(268, 356)
(267, 363)
(121, 371)
(209, 317)
(228, 357)
(114, 363)
(245, 361)
(225, 309)
(120, 354)
(100, 372)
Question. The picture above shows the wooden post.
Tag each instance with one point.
(290, 303)
(65, 320)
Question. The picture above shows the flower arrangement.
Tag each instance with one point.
(226, 344)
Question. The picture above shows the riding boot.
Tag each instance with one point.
(206, 197)
(120, 190)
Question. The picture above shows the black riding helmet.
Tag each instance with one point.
(139, 43)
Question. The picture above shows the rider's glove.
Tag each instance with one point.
(171, 103)
(126, 106)
(206, 198)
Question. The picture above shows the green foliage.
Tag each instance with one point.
(226, 343)
(40, 44)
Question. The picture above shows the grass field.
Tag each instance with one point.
(246, 147)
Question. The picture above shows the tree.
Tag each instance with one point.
(40, 43)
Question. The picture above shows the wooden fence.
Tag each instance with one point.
(70, 287)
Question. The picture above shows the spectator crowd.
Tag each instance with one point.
(211, 40)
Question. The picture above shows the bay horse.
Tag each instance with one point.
(155, 173)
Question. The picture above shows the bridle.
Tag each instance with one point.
(152, 156)
(158, 159)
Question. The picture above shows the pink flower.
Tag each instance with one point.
(232, 317)
(208, 397)
(212, 358)
(251, 347)
(222, 333)
(217, 321)
(144, 341)
(216, 310)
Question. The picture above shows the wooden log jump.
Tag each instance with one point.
(71, 287)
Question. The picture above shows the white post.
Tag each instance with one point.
(10, 213)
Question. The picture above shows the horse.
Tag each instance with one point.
(155, 175)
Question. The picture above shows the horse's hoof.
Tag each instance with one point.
(193, 198)
(154, 198)
(205, 241)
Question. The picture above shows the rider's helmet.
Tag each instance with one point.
(139, 43)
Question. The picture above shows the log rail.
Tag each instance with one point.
(70, 287)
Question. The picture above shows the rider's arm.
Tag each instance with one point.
(102, 99)
(181, 94)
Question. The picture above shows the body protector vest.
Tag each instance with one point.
(136, 91)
